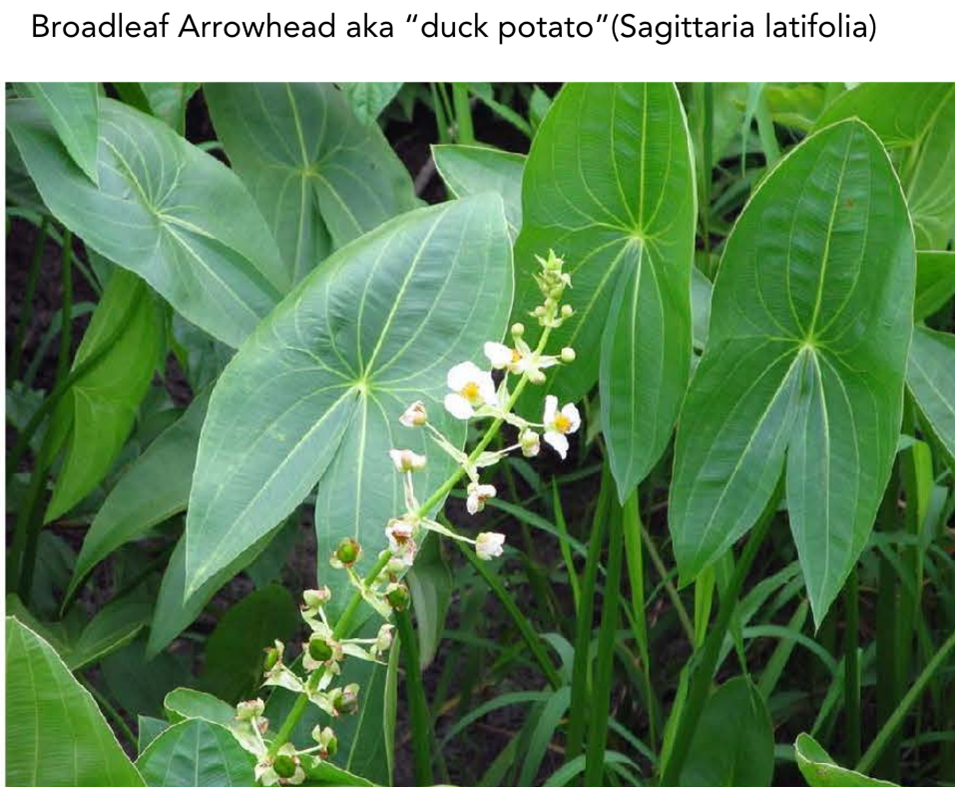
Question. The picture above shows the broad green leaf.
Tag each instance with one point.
(154, 488)
(467, 170)
(56, 734)
(233, 666)
(113, 627)
(196, 753)
(934, 283)
(324, 773)
(931, 379)
(320, 176)
(733, 742)
(820, 770)
(167, 101)
(164, 210)
(97, 414)
(317, 390)
(175, 609)
(918, 121)
(609, 175)
(796, 106)
(431, 584)
(148, 729)
(73, 109)
(809, 333)
(124, 671)
(369, 99)
(181, 704)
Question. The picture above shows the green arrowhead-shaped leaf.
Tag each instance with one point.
(73, 109)
(609, 186)
(468, 170)
(114, 626)
(183, 703)
(820, 770)
(56, 735)
(317, 390)
(809, 333)
(196, 753)
(320, 176)
(168, 100)
(918, 121)
(733, 742)
(369, 99)
(931, 379)
(935, 282)
(153, 488)
(163, 209)
(97, 414)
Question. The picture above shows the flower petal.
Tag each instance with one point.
(498, 354)
(550, 409)
(458, 406)
(486, 389)
(572, 414)
(461, 374)
(558, 442)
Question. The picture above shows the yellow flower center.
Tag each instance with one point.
(471, 392)
(561, 423)
(515, 356)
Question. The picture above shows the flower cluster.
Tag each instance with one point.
(475, 393)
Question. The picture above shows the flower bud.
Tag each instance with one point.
(316, 599)
(406, 460)
(566, 310)
(517, 329)
(415, 415)
(271, 659)
(530, 443)
(346, 701)
(567, 355)
(398, 596)
(284, 766)
(348, 552)
(537, 377)
(320, 648)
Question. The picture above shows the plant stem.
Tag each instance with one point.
(603, 679)
(66, 310)
(420, 719)
(109, 710)
(462, 113)
(702, 676)
(894, 721)
(671, 591)
(853, 711)
(345, 623)
(585, 616)
(26, 313)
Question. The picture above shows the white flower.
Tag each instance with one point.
(558, 424)
(406, 460)
(489, 545)
(415, 415)
(472, 388)
(400, 534)
(501, 356)
(477, 495)
(530, 443)
(383, 641)
(520, 359)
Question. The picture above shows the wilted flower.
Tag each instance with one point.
(558, 424)
(347, 553)
(489, 545)
(530, 443)
(472, 388)
(415, 415)
(406, 460)
(249, 710)
(285, 768)
(477, 495)
(383, 641)
(315, 599)
(326, 740)
(321, 651)
(345, 701)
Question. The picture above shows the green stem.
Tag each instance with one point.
(66, 311)
(853, 710)
(345, 623)
(26, 313)
(462, 113)
(894, 721)
(118, 721)
(603, 678)
(670, 589)
(702, 676)
(440, 118)
(565, 545)
(420, 719)
(585, 616)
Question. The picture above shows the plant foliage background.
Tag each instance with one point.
(221, 299)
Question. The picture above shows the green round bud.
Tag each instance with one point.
(319, 649)
(284, 766)
(271, 659)
(348, 552)
(398, 596)
(517, 329)
(567, 355)
(566, 310)
(331, 746)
